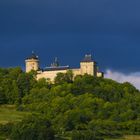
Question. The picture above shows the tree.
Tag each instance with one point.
(3, 99)
(62, 78)
(34, 127)
(25, 83)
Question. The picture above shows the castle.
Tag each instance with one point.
(87, 66)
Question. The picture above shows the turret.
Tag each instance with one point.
(32, 63)
(55, 63)
(88, 66)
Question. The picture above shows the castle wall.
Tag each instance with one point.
(87, 66)
(49, 74)
(32, 64)
(52, 74)
(76, 72)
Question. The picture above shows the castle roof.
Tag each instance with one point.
(33, 56)
(56, 68)
(87, 58)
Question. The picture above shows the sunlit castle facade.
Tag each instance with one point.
(87, 66)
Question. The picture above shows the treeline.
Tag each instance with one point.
(80, 108)
(14, 85)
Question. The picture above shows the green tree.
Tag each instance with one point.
(62, 78)
(34, 127)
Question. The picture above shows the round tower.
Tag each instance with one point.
(32, 63)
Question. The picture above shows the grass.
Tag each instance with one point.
(8, 113)
(132, 137)
(129, 137)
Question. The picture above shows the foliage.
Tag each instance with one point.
(61, 78)
(35, 127)
(6, 129)
(14, 85)
(81, 107)
(84, 135)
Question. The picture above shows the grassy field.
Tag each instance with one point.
(8, 113)
(127, 138)
(130, 137)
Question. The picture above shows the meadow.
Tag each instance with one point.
(8, 113)
(129, 137)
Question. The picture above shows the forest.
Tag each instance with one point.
(71, 108)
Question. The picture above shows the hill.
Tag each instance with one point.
(81, 109)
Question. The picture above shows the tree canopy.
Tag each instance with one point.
(81, 107)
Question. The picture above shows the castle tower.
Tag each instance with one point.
(32, 63)
(88, 66)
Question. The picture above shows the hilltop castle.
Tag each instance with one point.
(87, 66)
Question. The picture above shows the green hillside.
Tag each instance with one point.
(8, 113)
(86, 108)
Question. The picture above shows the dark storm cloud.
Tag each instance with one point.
(74, 15)
(68, 29)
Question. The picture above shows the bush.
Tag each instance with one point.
(6, 129)
(33, 127)
(84, 135)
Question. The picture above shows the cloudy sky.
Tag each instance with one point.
(108, 29)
